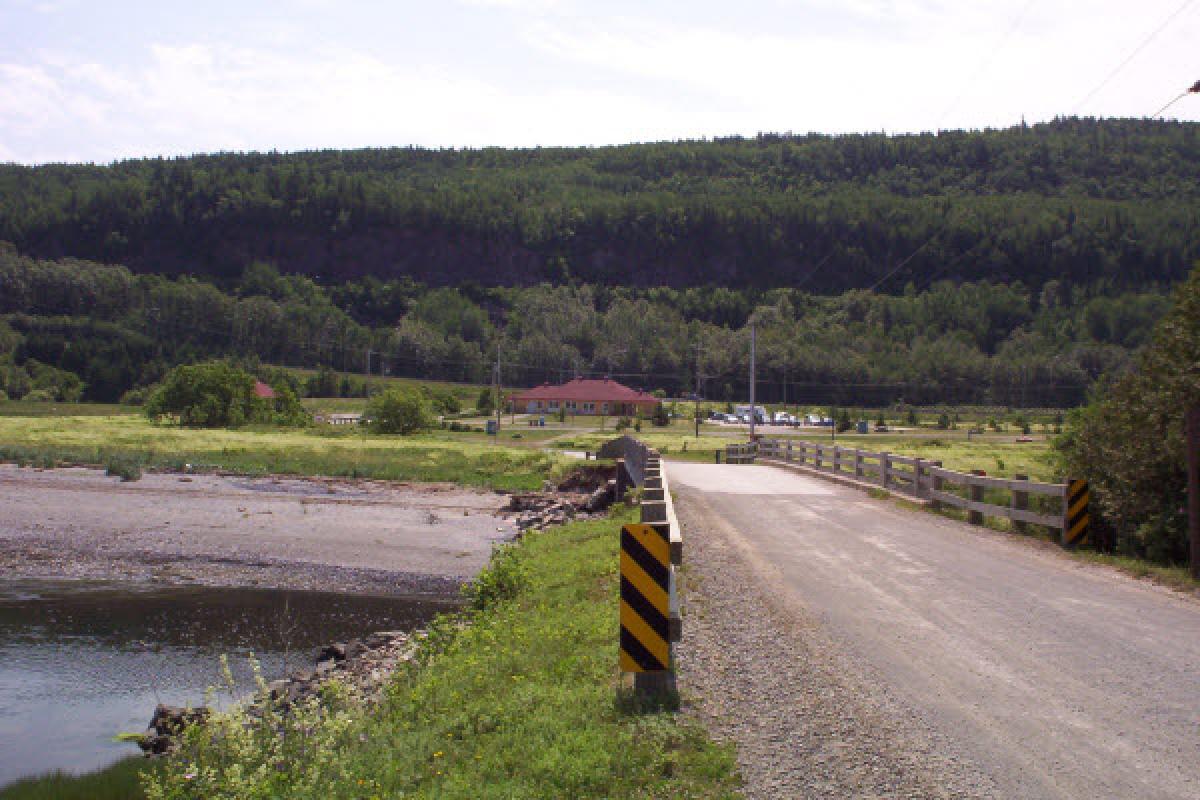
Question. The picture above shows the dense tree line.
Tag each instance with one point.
(81, 329)
(1076, 199)
(1130, 441)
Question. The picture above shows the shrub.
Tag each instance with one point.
(504, 578)
(483, 404)
(123, 467)
(943, 422)
(401, 411)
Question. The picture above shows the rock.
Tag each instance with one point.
(166, 724)
(331, 652)
(598, 500)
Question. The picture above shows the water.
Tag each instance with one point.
(81, 662)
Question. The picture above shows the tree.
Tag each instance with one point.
(1129, 442)
(403, 411)
(212, 395)
(484, 403)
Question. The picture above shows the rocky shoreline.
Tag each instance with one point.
(365, 665)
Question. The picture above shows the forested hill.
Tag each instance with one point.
(1114, 201)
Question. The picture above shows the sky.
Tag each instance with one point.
(97, 81)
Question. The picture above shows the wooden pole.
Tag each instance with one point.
(1193, 459)
(975, 493)
(1020, 501)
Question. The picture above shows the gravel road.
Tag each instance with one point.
(302, 533)
(853, 648)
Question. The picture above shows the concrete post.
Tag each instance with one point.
(975, 493)
(1020, 502)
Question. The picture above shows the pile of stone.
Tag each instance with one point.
(364, 664)
(540, 510)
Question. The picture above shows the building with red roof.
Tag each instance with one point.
(580, 396)
(263, 390)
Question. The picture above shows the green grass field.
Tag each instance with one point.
(441, 456)
(523, 702)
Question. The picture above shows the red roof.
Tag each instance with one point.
(581, 389)
(263, 391)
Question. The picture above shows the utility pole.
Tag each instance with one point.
(753, 409)
(496, 390)
(367, 371)
(1193, 462)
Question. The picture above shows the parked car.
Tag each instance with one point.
(783, 418)
(813, 419)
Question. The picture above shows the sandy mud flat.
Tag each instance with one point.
(220, 530)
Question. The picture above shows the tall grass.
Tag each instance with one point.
(121, 781)
(522, 703)
(129, 440)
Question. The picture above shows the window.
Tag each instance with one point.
(604, 408)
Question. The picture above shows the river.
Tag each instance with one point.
(83, 661)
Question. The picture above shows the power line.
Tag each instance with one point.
(1145, 43)
(1195, 89)
(987, 62)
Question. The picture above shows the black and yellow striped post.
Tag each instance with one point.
(1075, 514)
(645, 599)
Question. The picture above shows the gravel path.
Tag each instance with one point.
(757, 670)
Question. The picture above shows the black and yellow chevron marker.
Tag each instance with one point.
(1075, 523)
(645, 608)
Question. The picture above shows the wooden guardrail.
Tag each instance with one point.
(927, 480)
(651, 552)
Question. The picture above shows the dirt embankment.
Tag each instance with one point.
(300, 533)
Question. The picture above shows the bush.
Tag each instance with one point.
(661, 418)
(943, 422)
(401, 411)
(484, 403)
(623, 423)
(123, 467)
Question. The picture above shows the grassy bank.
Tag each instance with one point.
(524, 702)
(100, 440)
(121, 781)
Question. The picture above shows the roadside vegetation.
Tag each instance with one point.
(523, 701)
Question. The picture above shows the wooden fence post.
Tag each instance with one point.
(837, 459)
(937, 486)
(789, 451)
(885, 465)
(975, 493)
(820, 452)
(917, 476)
(1020, 502)
(858, 470)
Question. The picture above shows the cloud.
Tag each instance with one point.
(571, 77)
